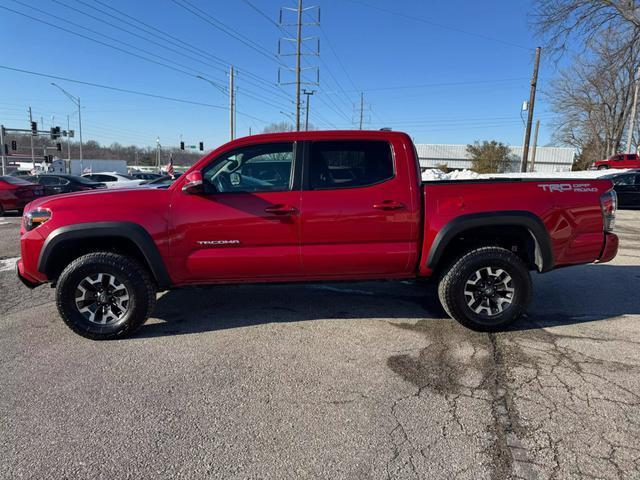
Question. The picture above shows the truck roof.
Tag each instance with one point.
(322, 135)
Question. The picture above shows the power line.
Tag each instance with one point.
(181, 53)
(335, 54)
(164, 36)
(125, 90)
(443, 84)
(96, 40)
(439, 25)
(198, 12)
(191, 74)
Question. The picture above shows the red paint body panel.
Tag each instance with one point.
(333, 234)
(572, 219)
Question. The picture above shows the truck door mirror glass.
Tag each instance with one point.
(193, 185)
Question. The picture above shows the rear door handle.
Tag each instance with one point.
(388, 205)
(281, 209)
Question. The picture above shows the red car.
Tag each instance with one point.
(15, 193)
(622, 160)
(312, 206)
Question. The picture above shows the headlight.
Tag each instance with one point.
(35, 218)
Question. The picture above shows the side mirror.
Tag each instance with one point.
(194, 185)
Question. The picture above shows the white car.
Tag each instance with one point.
(114, 180)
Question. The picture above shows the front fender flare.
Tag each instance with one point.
(129, 230)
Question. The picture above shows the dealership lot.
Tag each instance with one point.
(358, 380)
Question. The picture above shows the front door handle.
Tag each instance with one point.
(281, 209)
(388, 205)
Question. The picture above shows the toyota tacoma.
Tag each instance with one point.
(312, 206)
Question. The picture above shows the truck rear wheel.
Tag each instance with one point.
(103, 296)
(486, 289)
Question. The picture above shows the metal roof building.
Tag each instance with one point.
(548, 159)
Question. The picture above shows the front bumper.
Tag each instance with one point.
(609, 249)
(24, 278)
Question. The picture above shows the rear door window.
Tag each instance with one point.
(349, 164)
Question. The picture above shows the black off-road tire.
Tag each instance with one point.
(603, 167)
(139, 285)
(454, 278)
(1, 211)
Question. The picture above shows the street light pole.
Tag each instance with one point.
(76, 101)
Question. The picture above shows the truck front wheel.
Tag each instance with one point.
(103, 295)
(486, 289)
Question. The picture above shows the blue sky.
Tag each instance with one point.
(445, 72)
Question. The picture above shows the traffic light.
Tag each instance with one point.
(59, 147)
(14, 145)
(181, 145)
(201, 146)
(34, 128)
(6, 149)
(71, 133)
(55, 133)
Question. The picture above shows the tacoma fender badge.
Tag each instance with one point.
(217, 243)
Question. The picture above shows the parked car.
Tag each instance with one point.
(108, 252)
(54, 184)
(113, 179)
(622, 160)
(16, 193)
(20, 173)
(627, 186)
(145, 176)
(162, 182)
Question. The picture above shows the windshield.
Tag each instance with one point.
(15, 180)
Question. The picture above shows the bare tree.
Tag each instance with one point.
(592, 98)
(585, 21)
(279, 127)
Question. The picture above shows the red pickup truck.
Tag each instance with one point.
(312, 206)
(622, 160)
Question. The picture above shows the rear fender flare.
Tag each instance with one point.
(543, 250)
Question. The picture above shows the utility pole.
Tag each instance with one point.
(298, 46)
(33, 153)
(308, 93)
(632, 120)
(361, 108)
(532, 101)
(158, 153)
(80, 133)
(232, 102)
(299, 40)
(69, 143)
(2, 146)
(535, 146)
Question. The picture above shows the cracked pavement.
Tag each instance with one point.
(359, 380)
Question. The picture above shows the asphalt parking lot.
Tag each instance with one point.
(340, 381)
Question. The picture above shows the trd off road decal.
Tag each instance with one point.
(567, 187)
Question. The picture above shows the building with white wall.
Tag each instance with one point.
(548, 159)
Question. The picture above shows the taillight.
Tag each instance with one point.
(609, 204)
